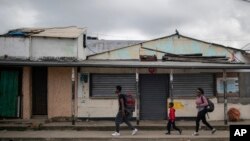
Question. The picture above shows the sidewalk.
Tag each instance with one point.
(103, 125)
(89, 130)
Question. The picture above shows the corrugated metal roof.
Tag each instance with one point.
(128, 64)
(98, 46)
(57, 32)
(62, 32)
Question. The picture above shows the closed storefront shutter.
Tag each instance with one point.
(153, 94)
(186, 84)
(104, 85)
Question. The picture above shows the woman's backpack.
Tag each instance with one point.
(210, 106)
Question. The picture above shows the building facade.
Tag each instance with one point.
(47, 72)
(38, 90)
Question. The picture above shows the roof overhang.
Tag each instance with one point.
(127, 64)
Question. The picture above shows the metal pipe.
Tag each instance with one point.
(225, 95)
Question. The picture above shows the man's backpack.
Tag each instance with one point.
(129, 102)
(210, 106)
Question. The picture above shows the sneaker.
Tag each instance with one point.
(116, 134)
(213, 131)
(180, 131)
(134, 131)
(195, 134)
(167, 133)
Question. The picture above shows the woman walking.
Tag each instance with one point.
(201, 103)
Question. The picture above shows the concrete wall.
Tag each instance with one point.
(59, 92)
(26, 93)
(39, 47)
(53, 47)
(81, 51)
(15, 47)
(187, 108)
(93, 107)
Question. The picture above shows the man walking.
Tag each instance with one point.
(123, 115)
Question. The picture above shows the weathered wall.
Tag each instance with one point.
(123, 53)
(97, 107)
(38, 47)
(59, 92)
(93, 107)
(187, 108)
(81, 51)
(171, 44)
(27, 93)
(14, 46)
(53, 47)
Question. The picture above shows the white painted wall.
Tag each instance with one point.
(53, 47)
(80, 49)
(14, 46)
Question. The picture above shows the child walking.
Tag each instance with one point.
(171, 120)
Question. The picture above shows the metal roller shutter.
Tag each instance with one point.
(154, 92)
(186, 84)
(104, 84)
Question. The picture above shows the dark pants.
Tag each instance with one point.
(120, 119)
(202, 116)
(170, 123)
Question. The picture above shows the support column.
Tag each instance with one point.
(137, 99)
(73, 94)
(26, 93)
(171, 85)
(225, 96)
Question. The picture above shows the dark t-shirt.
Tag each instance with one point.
(121, 96)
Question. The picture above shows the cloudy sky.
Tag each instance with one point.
(225, 22)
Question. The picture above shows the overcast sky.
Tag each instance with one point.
(225, 22)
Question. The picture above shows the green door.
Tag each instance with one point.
(8, 93)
